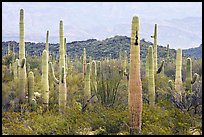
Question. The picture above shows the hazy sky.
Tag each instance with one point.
(85, 20)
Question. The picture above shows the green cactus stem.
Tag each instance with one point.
(155, 47)
(30, 87)
(195, 77)
(87, 83)
(167, 53)
(125, 63)
(147, 66)
(22, 70)
(151, 80)
(53, 73)
(15, 70)
(44, 80)
(62, 86)
(135, 85)
(8, 52)
(178, 78)
(84, 62)
(170, 82)
(47, 44)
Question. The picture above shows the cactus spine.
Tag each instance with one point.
(155, 48)
(45, 81)
(22, 69)
(84, 62)
(151, 81)
(178, 78)
(135, 85)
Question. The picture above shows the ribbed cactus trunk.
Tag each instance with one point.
(189, 79)
(9, 52)
(62, 84)
(93, 77)
(151, 81)
(47, 44)
(31, 99)
(65, 54)
(125, 63)
(135, 85)
(84, 62)
(147, 66)
(22, 69)
(167, 53)
(15, 70)
(178, 78)
(155, 48)
(45, 81)
(87, 83)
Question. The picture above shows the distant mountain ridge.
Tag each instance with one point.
(98, 49)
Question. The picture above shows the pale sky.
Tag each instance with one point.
(100, 20)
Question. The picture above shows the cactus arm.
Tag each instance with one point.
(30, 87)
(170, 82)
(195, 77)
(160, 68)
(53, 74)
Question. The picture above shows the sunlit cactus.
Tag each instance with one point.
(84, 62)
(151, 80)
(135, 85)
(22, 61)
(45, 81)
(147, 66)
(8, 51)
(167, 53)
(31, 90)
(189, 79)
(47, 44)
(155, 47)
(87, 83)
(178, 77)
(125, 63)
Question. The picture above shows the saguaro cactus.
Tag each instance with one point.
(30, 86)
(178, 78)
(62, 77)
(167, 53)
(151, 81)
(87, 83)
(45, 81)
(47, 44)
(147, 66)
(84, 62)
(15, 70)
(22, 61)
(135, 85)
(155, 48)
(189, 80)
(9, 51)
(125, 63)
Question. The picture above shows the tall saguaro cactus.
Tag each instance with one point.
(178, 78)
(135, 85)
(47, 44)
(125, 62)
(84, 62)
(9, 51)
(31, 99)
(62, 84)
(62, 77)
(189, 79)
(45, 81)
(151, 80)
(87, 83)
(155, 48)
(22, 61)
(147, 66)
(167, 53)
